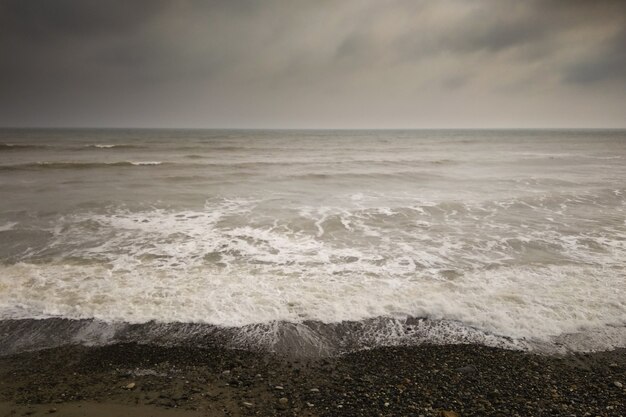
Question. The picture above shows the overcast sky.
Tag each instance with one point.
(313, 64)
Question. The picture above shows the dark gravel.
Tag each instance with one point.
(465, 380)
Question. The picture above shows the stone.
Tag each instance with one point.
(279, 387)
(446, 413)
(618, 384)
(467, 370)
(130, 385)
(314, 390)
(247, 404)
(283, 401)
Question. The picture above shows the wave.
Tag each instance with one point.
(7, 226)
(144, 163)
(233, 265)
(306, 339)
(19, 146)
(111, 146)
(230, 148)
(312, 166)
(349, 176)
(77, 165)
(7, 147)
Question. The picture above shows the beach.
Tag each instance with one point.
(315, 273)
(351, 208)
(144, 380)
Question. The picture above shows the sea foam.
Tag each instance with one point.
(228, 265)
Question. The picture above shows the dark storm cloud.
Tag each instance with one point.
(608, 63)
(46, 21)
(496, 26)
(291, 63)
(41, 37)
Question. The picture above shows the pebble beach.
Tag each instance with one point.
(428, 380)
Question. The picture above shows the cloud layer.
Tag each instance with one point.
(354, 63)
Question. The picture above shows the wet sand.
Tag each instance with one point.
(466, 380)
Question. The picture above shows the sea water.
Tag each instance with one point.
(513, 237)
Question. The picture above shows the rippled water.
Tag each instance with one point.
(519, 235)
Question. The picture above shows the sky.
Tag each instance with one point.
(371, 64)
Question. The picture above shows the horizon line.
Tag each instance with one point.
(298, 128)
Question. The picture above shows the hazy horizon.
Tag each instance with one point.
(355, 129)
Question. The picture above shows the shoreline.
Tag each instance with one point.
(306, 339)
(470, 380)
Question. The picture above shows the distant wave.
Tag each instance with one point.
(322, 164)
(229, 148)
(111, 146)
(139, 163)
(19, 146)
(76, 165)
(347, 176)
(6, 147)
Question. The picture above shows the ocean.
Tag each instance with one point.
(316, 241)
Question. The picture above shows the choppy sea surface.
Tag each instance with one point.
(325, 240)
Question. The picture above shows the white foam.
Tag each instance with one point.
(8, 226)
(231, 265)
(517, 303)
(138, 163)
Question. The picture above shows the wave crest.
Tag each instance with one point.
(76, 165)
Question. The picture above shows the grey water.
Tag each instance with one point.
(515, 235)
